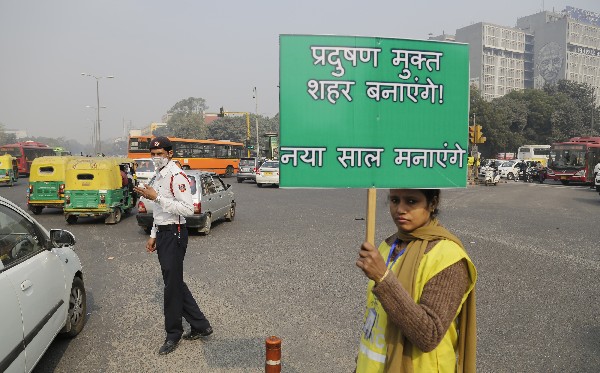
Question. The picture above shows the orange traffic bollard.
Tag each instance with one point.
(273, 355)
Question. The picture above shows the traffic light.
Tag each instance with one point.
(472, 134)
(478, 135)
(221, 112)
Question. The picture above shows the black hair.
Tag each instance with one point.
(430, 195)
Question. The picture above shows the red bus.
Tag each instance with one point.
(219, 156)
(574, 160)
(26, 152)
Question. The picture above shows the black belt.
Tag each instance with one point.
(170, 227)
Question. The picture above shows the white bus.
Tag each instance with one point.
(534, 153)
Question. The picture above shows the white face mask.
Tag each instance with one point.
(160, 162)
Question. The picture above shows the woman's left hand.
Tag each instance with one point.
(371, 262)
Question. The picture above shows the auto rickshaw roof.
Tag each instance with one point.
(97, 163)
(53, 159)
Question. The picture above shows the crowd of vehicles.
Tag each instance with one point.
(41, 287)
(219, 156)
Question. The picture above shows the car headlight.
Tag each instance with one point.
(580, 173)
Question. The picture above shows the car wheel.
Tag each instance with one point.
(36, 209)
(231, 213)
(71, 219)
(205, 230)
(77, 308)
(229, 171)
(240, 180)
(510, 176)
(259, 185)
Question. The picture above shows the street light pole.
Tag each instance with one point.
(256, 118)
(98, 139)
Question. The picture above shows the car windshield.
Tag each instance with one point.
(246, 162)
(145, 166)
(270, 164)
(507, 164)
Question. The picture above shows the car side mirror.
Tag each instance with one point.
(61, 238)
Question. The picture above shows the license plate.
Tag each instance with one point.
(267, 173)
(245, 170)
(563, 177)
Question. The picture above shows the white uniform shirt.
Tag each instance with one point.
(597, 168)
(174, 203)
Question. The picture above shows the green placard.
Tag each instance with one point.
(364, 112)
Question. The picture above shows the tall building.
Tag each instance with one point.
(543, 48)
(567, 46)
(497, 57)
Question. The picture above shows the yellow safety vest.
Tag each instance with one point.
(372, 351)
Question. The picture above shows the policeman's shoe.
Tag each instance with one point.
(168, 347)
(195, 334)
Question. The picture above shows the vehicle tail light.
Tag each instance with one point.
(68, 199)
(61, 190)
(255, 170)
(197, 208)
(141, 207)
(30, 189)
(102, 198)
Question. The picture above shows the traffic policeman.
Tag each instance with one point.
(170, 191)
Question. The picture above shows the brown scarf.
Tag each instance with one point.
(399, 349)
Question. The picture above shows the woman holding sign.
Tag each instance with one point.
(420, 313)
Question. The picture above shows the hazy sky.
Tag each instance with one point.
(163, 51)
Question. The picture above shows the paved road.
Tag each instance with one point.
(285, 267)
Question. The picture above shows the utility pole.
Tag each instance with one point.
(256, 118)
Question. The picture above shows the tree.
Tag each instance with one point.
(186, 119)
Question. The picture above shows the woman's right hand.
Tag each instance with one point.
(371, 262)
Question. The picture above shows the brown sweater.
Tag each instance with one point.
(425, 324)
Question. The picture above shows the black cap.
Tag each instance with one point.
(160, 142)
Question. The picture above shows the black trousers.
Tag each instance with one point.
(178, 300)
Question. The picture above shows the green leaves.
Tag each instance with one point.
(534, 116)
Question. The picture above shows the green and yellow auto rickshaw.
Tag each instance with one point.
(47, 183)
(9, 169)
(99, 186)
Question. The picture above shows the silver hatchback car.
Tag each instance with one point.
(213, 200)
(41, 288)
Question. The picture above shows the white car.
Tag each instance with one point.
(597, 182)
(509, 169)
(144, 170)
(268, 173)
(41, 288)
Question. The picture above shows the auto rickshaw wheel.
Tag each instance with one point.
(229, 171)
(71, 219)
(36, 210)
(118, 215)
